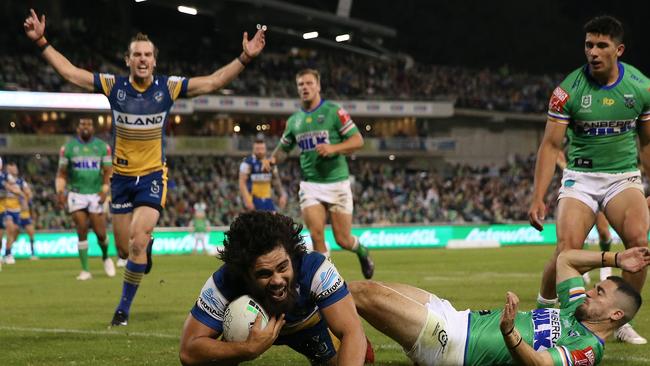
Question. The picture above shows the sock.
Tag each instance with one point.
(31, 245)
(104, 247)
(7, 251)
(358, 248)
(605, 245)
(545, 303)
(133, 274)
(83, 254)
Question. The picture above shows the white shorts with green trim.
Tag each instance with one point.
(89, 202)
(337, 196)
(443, 336)
(597, 189)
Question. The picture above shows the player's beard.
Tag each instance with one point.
(582, 313)
(275, 308)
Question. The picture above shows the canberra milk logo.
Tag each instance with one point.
(382, 238)
(521, 235)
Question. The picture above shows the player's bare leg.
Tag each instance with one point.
(574, 221)
(392, 313)
(12, 233)
(31, 232)
(315, 217)
(342, 229)
(80, 219)
(98, 223)
(628, 214)
(121, 225)
(604, 241)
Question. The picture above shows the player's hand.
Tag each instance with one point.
(34, 27)
(102, 197)
(248, 204)
(634, 259)
(254, 46)
(260, 339)
(509, 312)
(60, 200)
(325, 150)
(267, 164)
(282, 201)
(537, 214)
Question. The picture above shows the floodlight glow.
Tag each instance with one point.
(342, 38)
(310, 35)
(187, 10)
(140, 1)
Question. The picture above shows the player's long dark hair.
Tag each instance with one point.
(256, 233)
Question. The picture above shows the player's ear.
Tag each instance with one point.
(620, 49)
(617, 314)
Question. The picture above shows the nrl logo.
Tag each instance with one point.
(586, 101)
(629, 100)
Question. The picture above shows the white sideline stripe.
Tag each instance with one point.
(92, 332)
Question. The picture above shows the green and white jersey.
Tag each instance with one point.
(602, 120)
(554, 330)
(200, 225)
(84, 162)
(326, 124)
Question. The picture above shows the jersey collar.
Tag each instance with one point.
(312, 110)
(602, 341)
(621, 72)
(82, 141)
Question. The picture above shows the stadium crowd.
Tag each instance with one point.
(384, 193)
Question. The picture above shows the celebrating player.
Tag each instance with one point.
(255, 183)
(310, 307)
(85, 163)
(140, 103)
(601, 107)
(432, 332)
(324, 132)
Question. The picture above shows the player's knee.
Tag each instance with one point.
(637, 239)
(344, 240)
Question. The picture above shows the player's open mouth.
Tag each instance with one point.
(278, 294)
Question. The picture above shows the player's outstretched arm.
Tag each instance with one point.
(35, 30)
(199, 344)
(521, 352)
(547, 154)
(344, 322)
(573, 263)
(207, 84)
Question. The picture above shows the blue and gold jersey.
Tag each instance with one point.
(318, 282)
(139, 120)
(259, 182)
(12, 201)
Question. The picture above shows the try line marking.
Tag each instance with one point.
(88, 331)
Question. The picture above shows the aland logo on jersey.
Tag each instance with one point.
(140, 121)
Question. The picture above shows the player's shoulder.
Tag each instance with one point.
(635, 76)
(574, 81)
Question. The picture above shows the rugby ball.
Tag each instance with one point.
(239, 318)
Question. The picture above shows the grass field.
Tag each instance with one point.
(49, 318)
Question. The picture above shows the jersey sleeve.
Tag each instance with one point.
(645, 98)
(288, 139)
(210, 306)
(177, 87)
(576, 353)
(571, 293)
(346, 126)
(63, 157)
(244, 167)
(327, 285)
(558, 110)
(107, 159)
(104, 83)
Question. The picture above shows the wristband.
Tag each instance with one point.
(602, 259)
(510, 331)
(616, 260)
(607, 260)
(42, 43)
(518, 343)
(241, 59)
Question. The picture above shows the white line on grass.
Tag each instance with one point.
(85, 331)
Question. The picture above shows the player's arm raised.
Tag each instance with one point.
(573, 263)
(521, 352)
(207, 84)
(344, 322)
(35, 30)
(547, 155)
(199, 344)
